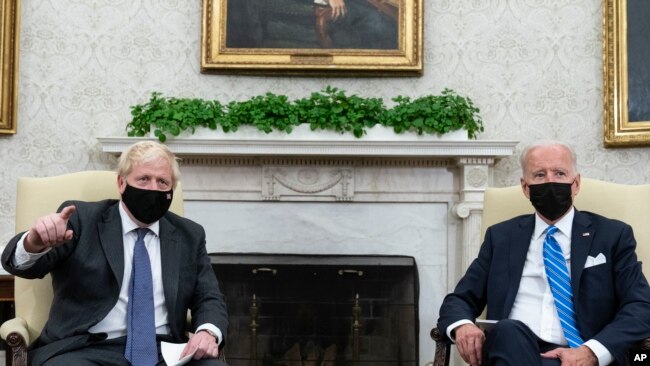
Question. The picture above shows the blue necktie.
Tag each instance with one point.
(141, 349)
(560, 282)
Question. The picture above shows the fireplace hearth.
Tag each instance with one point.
(319, 310)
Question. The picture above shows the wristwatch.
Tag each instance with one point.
(216, 339)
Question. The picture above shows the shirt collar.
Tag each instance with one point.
(129, 225)
(564, 225)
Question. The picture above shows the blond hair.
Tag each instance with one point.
(146, 151)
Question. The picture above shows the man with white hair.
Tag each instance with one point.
(565, 285)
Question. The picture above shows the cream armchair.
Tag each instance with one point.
(628, 203)
(36, 197)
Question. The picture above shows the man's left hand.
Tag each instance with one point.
(581, 356)
(205, 345)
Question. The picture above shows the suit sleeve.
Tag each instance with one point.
(631, 320)
(208, 303)
(48, 261)
(470, 295)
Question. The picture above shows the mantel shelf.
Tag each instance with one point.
(314, 148)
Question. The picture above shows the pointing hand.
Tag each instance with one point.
(49, 231)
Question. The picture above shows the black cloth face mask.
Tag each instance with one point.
(552, 199)
(147, 205)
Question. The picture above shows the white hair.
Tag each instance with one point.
(547, 143)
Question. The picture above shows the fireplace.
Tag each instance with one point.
(319, 310)
(353, 199)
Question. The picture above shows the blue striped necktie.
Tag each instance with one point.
(141, 349)
(560, 282)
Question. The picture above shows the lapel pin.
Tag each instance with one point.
(585, 234)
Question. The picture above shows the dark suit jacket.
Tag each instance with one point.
(612, 300)
(87, 276)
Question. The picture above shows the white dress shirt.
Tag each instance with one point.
(114, 324)
(534, 304)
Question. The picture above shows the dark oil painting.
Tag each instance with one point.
(313, 24)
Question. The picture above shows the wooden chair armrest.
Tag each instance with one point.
(443, 348)
(645, 344)
(15, 325)
(14, 332)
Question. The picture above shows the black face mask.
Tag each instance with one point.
(147, 205)
(551, 200)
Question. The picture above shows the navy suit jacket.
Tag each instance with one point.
(612, 300)
(87, 276)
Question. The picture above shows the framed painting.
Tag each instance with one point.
(311, 37)
(9, 59)
(626, 51)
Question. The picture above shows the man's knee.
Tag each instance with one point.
(509, 327)
(511, 342)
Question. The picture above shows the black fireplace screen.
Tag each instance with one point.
(319, 310)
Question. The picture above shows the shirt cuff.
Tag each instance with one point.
(213, 329)
(604, 356)
(454, 326)
(24, 259)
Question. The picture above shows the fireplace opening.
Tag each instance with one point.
(319, 310)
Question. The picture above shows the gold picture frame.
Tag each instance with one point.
(9, 59)
(626, 104)
(312, 37)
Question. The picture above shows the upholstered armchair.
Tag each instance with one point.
(36, 197)
(628, 203)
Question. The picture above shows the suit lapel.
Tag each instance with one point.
(111, 238)
(170, 253)
(582, 235)
(519, 243)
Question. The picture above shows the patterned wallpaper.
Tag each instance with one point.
(532, 66)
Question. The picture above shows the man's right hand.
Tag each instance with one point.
(49, 231)
(469, 342)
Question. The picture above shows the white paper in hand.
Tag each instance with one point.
(171, 352)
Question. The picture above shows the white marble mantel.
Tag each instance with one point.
(418, 198)
(490, 149)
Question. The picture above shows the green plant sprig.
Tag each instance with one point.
(332, 109)
(435, 114)
(329, 109)
(173, 115)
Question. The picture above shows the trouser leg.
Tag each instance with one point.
(512, 343)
